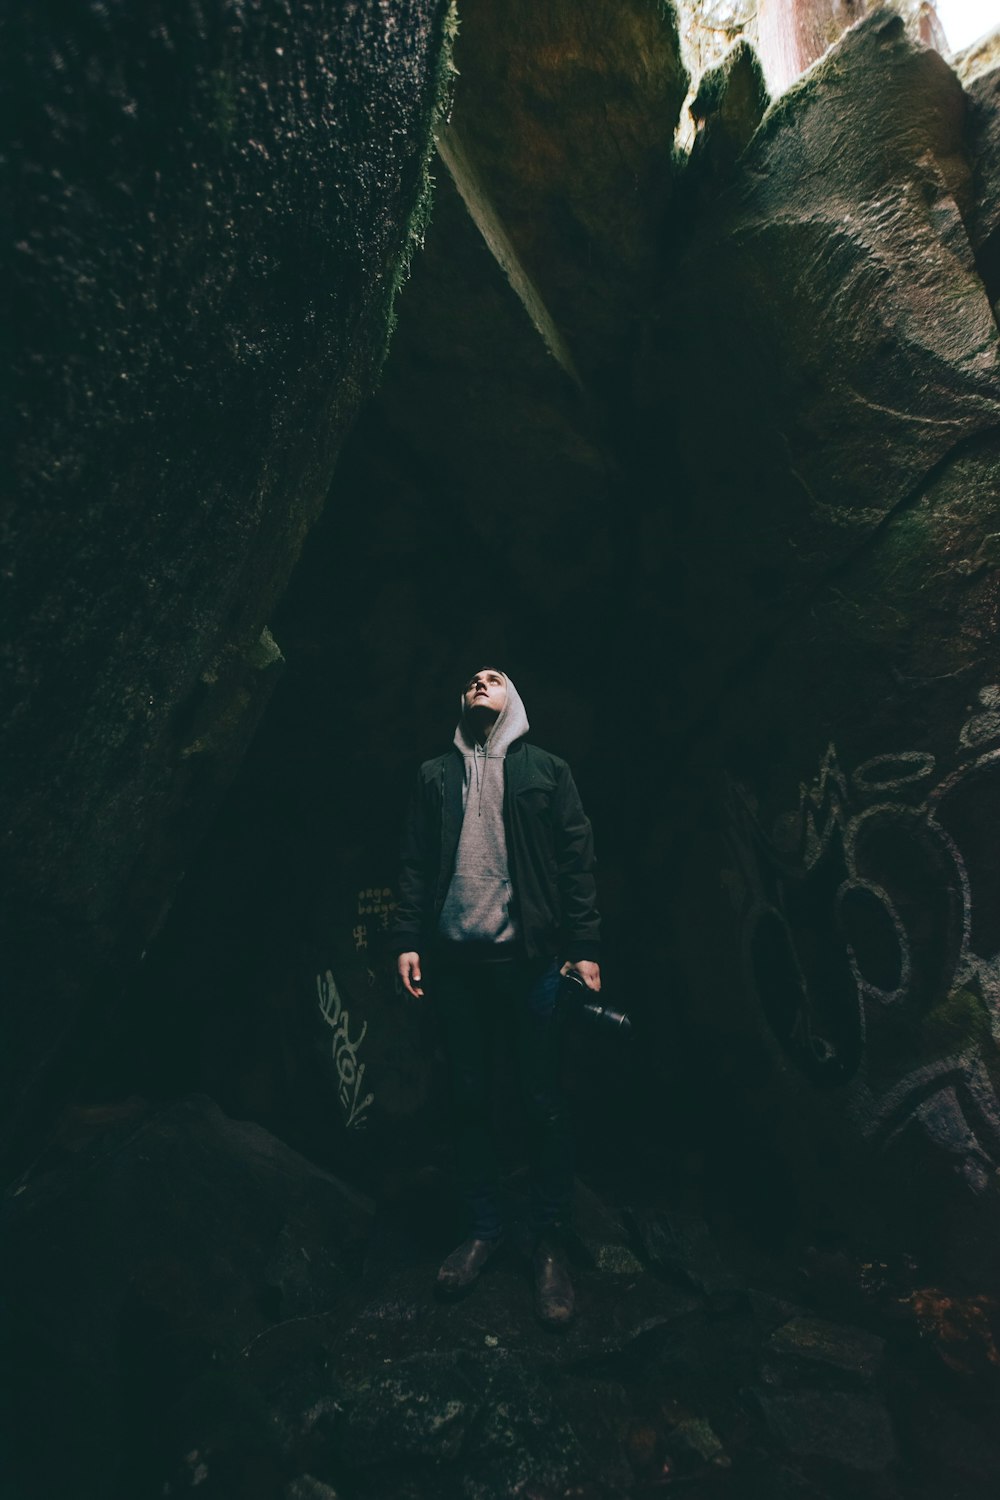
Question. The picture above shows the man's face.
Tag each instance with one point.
(486, 690)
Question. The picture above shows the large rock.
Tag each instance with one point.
(729, 105)
(812, 1348)
(213, 209)
(827, 316)
(566, 113)
(854, 877)
(140, 1262)
(835, 912)
(853, 1432)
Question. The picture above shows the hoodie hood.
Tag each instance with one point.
(511, 725)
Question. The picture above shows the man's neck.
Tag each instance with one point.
(481, 722)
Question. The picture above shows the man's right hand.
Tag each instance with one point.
(408, 969)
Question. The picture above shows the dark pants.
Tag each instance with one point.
(518, 999)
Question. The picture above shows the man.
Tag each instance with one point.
(497, 902)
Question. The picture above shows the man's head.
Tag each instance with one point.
(485, 693)
(492, 713)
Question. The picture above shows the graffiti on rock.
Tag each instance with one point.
(869, 923)
(350, 1072)
(376, 901)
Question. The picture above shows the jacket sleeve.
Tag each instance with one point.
(415, 886)
(574, 850)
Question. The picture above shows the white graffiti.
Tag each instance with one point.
(350, 1072)
(867, 919)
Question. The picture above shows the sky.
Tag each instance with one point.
(964, 21)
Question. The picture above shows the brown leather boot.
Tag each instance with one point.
(463, 1265)
(554, 1298)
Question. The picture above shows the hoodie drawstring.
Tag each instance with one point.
(480, 781)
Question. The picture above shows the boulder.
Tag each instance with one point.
(838, 924)
(853, 1432)
(827, 316)
(213, 209)
(681, 1246)
(814, 1348)
(566, 113)
(146, 1258)
(729, 105)
(853, 875)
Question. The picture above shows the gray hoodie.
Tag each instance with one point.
(478, 907)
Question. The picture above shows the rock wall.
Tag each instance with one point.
(836, 319)
(214, 207)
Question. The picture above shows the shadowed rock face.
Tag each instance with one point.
(860, 496)
(567, 112)
(167, 1242)
(213, 209)
(984, 139)
(833, 319)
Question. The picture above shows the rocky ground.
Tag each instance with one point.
(198, 1309)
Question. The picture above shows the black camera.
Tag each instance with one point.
(592, 1010)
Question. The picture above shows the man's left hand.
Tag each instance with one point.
(589, 972)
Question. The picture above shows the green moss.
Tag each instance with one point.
(442, 93)
(265, 652)
(961, 1018)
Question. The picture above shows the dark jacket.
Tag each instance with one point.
(550, 851)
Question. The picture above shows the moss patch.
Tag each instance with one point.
(961, 1018)
(442, 95)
